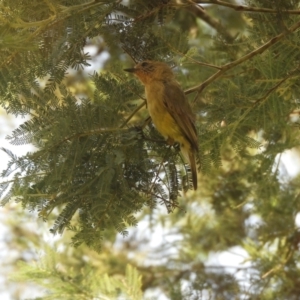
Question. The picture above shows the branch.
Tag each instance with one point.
(133, 113)
(45, 24)
(199, 88)
(243, 8)
(137, 108)
(259, 101)
(23, 177)
(157, 174)
(280, 265)
(271, 90)
(203, 15)
(194, 61)
(87, 133)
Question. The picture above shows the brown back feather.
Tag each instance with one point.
(179, 108)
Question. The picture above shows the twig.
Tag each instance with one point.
(247, 8)
(199, 88)
(129, 54)
(277, 85)
(133, 113)
(203, 15)
(189, 58)
(23, 177)
(158, 171)
(204, 64)
(87, 133)
(259, 101)
(279, 266)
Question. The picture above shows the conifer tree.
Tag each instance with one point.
(99, 165)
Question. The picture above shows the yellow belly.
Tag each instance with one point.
(161, 118)
(163, 121)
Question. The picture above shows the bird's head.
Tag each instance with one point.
(148, 71)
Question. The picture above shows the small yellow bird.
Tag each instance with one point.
(169, 109)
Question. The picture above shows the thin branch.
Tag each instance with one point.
(199, 88)
(274, 88)
(23, 177)
(259, 101)
(203, 64)
(133, 113)
(149, 14)
(45, 24)
(87, 133)
(129, 54)
(158, 171)
(244, 8)
(200, 13)
(137, 108)
(194, 61)
(279, 266)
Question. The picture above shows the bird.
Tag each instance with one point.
(169, 109)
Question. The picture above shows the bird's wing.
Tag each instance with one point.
(179, 108)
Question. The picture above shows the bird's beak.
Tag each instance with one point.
(131, 70)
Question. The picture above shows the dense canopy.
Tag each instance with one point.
(99, 167)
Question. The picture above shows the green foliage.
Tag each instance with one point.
(86, 282)
(100, 166)
(84, 160)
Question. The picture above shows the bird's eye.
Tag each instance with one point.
(144, 64)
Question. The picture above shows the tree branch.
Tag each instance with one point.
(200, 13)
(259, 101)
(199, 88)
(132, 114)
(244, 8)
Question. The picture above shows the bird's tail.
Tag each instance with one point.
(193, 165)
(189, 154)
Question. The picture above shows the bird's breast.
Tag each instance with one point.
(161, 118)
